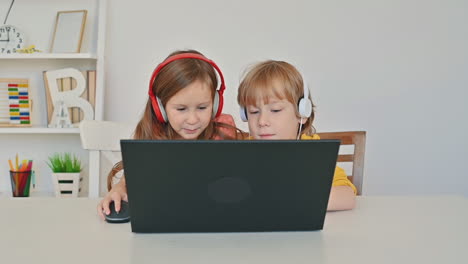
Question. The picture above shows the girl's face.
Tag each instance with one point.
(275, 120)
(189, 111)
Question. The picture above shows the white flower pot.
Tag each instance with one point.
(66, 184)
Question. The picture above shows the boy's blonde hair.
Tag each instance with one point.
(274, 79)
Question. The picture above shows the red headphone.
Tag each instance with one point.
(156, 102)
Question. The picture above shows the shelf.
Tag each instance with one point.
(48, 56)
(38, 130)
(33, 193)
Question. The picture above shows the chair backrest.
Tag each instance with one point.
(358, 139)
(102, 137)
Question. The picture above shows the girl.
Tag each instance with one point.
(183, 103)
(276, 103)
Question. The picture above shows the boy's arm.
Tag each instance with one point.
(341, 198)
(343, 192)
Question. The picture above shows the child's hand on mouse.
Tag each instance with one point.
(116, 194)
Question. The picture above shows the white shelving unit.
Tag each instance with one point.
(48, 56)
(38, 130)
(39, 141)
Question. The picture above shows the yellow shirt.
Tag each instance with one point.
(340, 178)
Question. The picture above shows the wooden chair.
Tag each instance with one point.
(102, 137)
(358, 139)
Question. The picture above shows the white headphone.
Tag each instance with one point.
(304, 105)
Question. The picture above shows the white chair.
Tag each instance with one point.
(102, 137)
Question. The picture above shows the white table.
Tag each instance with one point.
(379, 230)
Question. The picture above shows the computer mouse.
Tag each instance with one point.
(123, 216)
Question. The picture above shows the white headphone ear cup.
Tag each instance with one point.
(243, 114)
(215, 104)
(161, 109)
(305, 108)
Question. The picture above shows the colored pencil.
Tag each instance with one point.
(11, 165)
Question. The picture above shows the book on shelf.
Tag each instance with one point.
(67, 84)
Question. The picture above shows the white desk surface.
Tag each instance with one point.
(379, 230)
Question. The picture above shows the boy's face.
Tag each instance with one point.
(275, 120)
(189, 111)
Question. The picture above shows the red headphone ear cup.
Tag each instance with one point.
(159, 111)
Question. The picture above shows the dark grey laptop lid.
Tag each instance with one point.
(228, 186)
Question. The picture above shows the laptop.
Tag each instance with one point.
(228, 186)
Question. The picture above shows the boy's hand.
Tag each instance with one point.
(341, 198)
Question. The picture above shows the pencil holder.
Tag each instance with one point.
(20, 183)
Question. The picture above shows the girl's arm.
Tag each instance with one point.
(341, 198)
(116, 194)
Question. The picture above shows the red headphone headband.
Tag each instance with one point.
(185, 56)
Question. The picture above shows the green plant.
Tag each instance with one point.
(64, 163)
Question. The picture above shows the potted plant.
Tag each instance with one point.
(66, 174)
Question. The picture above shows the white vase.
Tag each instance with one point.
(66, 184)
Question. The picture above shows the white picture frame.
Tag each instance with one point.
(68, 31)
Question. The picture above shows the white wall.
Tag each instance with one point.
(397, 69)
